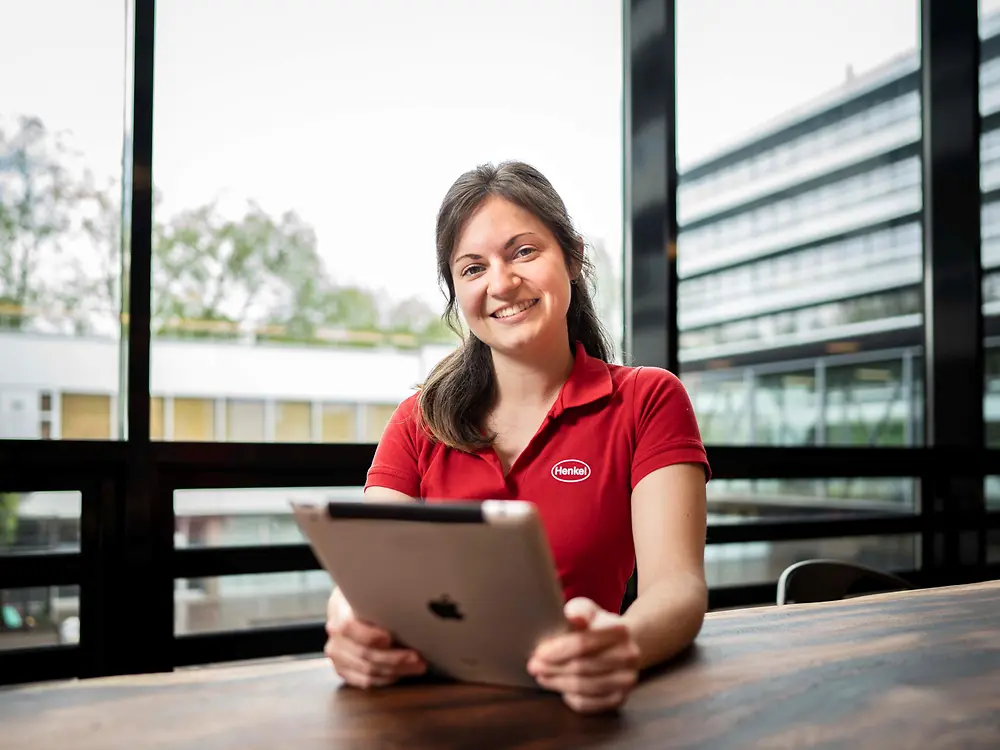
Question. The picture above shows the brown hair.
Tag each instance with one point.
(459, 392)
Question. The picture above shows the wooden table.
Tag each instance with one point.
(908, 670)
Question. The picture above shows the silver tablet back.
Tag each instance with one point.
(474, 598)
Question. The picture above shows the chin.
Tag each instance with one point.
(518, 339)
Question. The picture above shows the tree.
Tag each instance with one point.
(9, 502)
(37, 198)
(256, 275)
(91, 295)
(221, 277)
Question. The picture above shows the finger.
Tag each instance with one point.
(591, 686)
(591, 705)
(365, 681)
(366, 634)
(581, 611)
(562, 648)
(383, 662)
(620, 656)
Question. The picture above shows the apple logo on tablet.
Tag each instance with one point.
(445, 608)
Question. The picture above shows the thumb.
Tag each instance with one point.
(581, 612)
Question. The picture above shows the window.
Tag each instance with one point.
(267, 269)
(989, 103)
(85, 416)
(245, 421)
(156, 424)
(812, 281)
(194, 419)
(292, 422)
(61, 144)
(376, 418)
(817, 349)
(339, 423)
(39, 522)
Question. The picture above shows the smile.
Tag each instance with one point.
(512, 310)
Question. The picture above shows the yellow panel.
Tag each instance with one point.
(156, 418)
(376, 418)
(86, 417)
(194, 419)
(338, 423)
(291, 422)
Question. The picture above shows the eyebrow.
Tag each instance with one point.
(506, 246)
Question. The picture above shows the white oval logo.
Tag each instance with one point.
(570, 470)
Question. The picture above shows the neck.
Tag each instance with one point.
(533, 380)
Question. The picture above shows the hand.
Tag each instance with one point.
(362, 654)
(595, 665)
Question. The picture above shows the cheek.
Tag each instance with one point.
(558, 285)
(468, 300)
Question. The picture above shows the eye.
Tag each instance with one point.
(471, 269)
(524, 252)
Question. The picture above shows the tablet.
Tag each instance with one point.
(472, 587)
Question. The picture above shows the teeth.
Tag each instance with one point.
(506, 312)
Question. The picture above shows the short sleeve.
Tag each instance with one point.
(395, 464)
(666, 428)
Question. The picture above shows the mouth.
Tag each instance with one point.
(511, 310)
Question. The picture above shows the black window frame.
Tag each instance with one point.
(127, 564)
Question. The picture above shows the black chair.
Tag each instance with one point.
(832, 580)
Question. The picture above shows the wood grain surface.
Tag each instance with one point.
(916, 669)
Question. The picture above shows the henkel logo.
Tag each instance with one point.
(570, 470)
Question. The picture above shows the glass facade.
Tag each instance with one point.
(62, 138)
(296, 171)
(800, 247)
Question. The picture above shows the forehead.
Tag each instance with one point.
(493, 223)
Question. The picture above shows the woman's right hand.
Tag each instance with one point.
(362, 654)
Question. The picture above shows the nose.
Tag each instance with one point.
(502, 279)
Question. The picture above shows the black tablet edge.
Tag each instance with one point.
(419, 512)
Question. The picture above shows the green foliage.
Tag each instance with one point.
(254, 276)
(37, 196)
(9, 502)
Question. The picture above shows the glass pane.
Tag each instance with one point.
(339, 423)
(39, 522)
(993, 493)
(85, 417)
(61, 141)
(800, 244)
(762, 562)
(245, 421)
(376, 418)
(234, 517)
(249, 601)
(156, 418)
(747, 500)
(43, 616)
(989, 182)
(286, 248)
(194, 419)
(292, 423)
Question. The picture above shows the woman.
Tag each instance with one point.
(530, 408)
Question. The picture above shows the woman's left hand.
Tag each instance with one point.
(595, 666)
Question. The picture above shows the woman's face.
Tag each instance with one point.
(511, 281)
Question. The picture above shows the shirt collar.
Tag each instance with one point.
(589, 381)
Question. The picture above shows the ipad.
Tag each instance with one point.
(471, 586)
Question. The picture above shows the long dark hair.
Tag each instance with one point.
(459, 392)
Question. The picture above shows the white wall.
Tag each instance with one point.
(217, 369)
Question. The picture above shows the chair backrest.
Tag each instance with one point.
(831, 580)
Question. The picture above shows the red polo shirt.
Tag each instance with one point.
(609, 427)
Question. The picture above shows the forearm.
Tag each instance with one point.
(666, 617)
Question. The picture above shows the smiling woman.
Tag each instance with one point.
(513, 413)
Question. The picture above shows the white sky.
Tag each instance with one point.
(359, 115)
